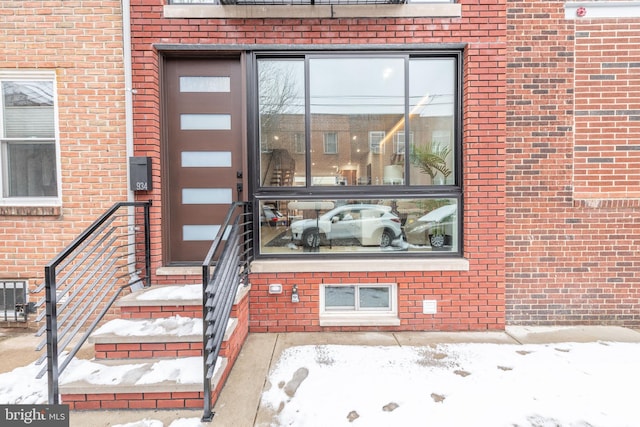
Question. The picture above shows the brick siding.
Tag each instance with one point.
(166, 400)
(82, 42)
(572, 180)
(147, 350)
(159, 312)
(550, 151)
(472, 300)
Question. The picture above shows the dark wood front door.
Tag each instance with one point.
(203, 155)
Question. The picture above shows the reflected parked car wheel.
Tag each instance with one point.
(386, 239)
(311, 238)
(437, 240)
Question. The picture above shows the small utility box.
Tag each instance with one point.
(140, 173)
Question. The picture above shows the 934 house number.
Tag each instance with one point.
(142, 186)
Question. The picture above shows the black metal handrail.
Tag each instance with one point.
(224, 271)
(84, 280)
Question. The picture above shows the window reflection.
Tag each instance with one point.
(282, 128)
(363, 226)
(373, 140)
(361, 101)
(357, 126)
(431, 120)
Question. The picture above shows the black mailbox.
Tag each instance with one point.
(140, 173)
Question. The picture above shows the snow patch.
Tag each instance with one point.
(174, 325)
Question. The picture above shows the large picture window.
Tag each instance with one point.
(28, 139)
(335, 125)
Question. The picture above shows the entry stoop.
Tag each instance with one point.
(151, 357)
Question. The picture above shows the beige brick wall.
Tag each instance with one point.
(81, 41)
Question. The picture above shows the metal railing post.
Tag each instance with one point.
(221, 279)
(147, 244)
(52, 336)
(208, 414)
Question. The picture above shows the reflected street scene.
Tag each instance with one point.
(417, 225)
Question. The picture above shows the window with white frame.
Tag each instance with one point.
(298, 143)
(399, 142)
(358, 303)
(375, 141)
(29, 171)
(330, 143)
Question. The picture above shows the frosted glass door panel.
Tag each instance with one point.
(199, 232)
(205, 84)
(206, 159)
(205, 122)
(207, 196)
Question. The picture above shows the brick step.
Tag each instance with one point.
(162, 301)
(156, 336)
(146, 384)
(174, 336)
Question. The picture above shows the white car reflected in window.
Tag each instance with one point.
(370, 225)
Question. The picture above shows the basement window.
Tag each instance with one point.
(13, 300)
(359, 305)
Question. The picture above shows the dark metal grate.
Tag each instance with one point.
(13, 300)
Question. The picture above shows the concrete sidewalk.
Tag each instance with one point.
(239, 403)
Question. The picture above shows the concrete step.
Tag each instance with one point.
(140, 357)
(164, 294)
(162, 301)
(174, 336)
(162, 384)
(166, 301)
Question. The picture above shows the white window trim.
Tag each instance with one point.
(326, 142)
(375, 317)
(298, 143)
(359, 265)
(27, 75)
(376, 136)
(399, 144)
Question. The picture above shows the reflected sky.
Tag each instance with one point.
(358, 85)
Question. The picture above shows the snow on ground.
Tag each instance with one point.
(456, 385)
(183, 371)
(14, 390)
(182, 422)
(174, 325)
(492, 385)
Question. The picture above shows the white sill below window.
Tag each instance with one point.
(414, 9)
(358, 319)
(360, 265)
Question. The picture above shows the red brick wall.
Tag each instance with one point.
(607, 109)
(472, 300)
(82, 42)
(463, 303)
(573, 227)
